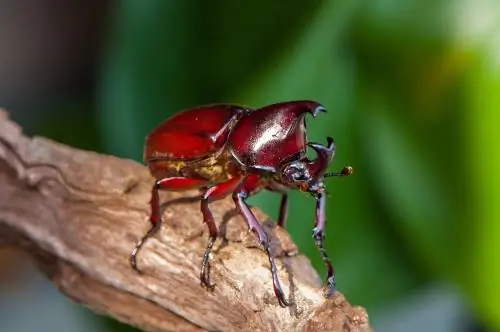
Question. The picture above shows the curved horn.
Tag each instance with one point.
(324, 157)
(317, 110)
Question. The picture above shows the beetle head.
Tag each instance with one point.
(307, 175)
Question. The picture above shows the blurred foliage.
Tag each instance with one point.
(73, 125)
(481, 247)
(411, 91)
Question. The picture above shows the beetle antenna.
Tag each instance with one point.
(347, 170)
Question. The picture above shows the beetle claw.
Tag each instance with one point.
(282, 301)
(205, 279)
(281, 297)
(330, 289)
(133, 262)
(206, 267)
(133, 256)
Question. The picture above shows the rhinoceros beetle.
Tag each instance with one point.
(226, 149)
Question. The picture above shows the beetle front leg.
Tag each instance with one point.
(174, 183)
(255, 226)
(319, 234)
(212, 194)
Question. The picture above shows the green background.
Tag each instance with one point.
(411, 89)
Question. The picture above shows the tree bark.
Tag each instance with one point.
(79, 214)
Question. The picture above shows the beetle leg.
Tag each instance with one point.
(319, 235)
(212, 194)
(283, 214)
(240, 201)
(174, 183)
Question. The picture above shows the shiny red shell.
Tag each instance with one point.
(188, 134)
(263, 138)
(272, 135)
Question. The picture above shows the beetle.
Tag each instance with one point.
(226, 149)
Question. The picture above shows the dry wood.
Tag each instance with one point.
(79, 214)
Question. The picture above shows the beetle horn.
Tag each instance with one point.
(317, 110)
(324, 157)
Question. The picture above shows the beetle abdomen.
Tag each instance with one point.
(213, 168)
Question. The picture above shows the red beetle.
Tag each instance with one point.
(230, 149)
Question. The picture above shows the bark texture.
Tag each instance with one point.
(79, 214)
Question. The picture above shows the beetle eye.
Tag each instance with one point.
(295, 174)
(299, 176)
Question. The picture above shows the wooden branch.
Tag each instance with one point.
(79, 214)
